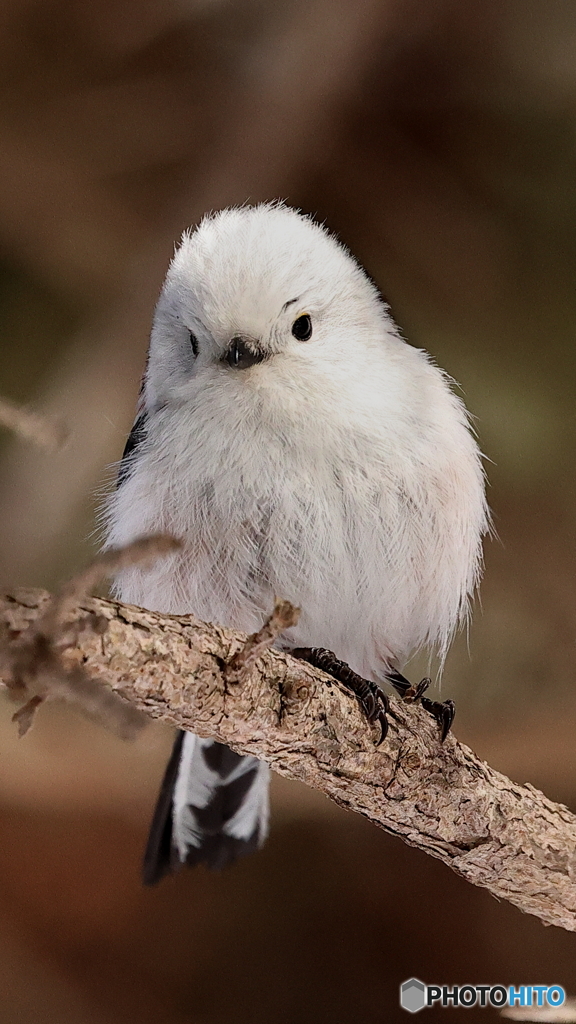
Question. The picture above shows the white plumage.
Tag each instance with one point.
(337, 472)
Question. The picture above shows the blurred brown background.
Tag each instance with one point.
(439, 140)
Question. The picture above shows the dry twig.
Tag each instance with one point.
(32, 666)
(442, 799)
(45, 431)
(242, 663)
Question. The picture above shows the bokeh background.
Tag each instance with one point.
(439, 140)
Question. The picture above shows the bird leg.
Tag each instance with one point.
(373, 701)
(372, 698)
(442, 711)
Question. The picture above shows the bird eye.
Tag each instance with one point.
(302, 328)
(194, 343)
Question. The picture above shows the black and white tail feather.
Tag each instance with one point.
(212, 808)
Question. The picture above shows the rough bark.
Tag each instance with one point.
(442, 799)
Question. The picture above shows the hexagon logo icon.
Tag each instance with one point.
(413, 995)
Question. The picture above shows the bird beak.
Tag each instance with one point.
(244, 352)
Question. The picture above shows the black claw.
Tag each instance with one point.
(443, 711)
(449, 714)
(371, 697)
(373, 702)
(368, 705)
(421, 688)
(383, 721)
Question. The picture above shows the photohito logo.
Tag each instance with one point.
(415, 995)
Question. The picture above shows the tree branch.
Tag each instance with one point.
(442, 799)
(44, 431)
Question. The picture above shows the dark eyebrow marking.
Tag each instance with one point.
(289, 303)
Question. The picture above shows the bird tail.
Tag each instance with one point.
(212, 808)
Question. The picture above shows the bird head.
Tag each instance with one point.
(258, 295)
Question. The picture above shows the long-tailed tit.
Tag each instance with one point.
(301, 448)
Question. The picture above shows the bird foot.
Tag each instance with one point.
(442, 711)
(372, 698)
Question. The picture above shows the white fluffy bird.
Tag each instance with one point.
(301, 448)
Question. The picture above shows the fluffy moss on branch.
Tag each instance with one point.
(442, 799)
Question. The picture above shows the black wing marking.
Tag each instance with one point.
(158, 856)
(135, 439)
